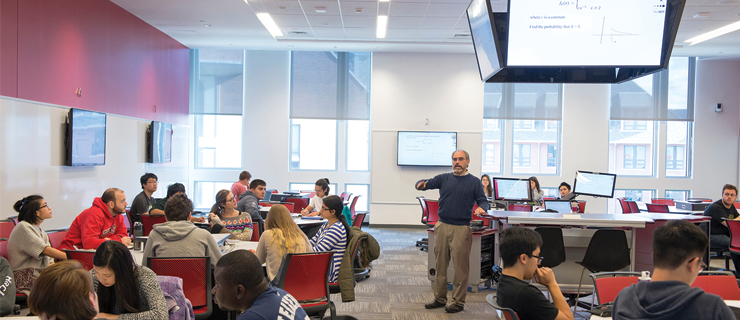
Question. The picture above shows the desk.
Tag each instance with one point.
(309, 222)
(672, 209)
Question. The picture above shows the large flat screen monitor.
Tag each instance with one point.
(416, 148)
(479, 19)
(511, 189)
(85, 138)
(595, 184)
(159, 142)
(586, 33)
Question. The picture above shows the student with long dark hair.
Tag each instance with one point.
(322, 191)
(487, 186)
(224, 213)
(29, 250)
(537, 192)
(125, 290)
(334, 234)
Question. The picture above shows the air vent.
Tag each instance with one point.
(298, 33)
(461, 35)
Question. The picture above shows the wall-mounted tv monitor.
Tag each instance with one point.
(605, 41)
(85, 138)
(419, 148)
(595, 184)
(512, 189)
(159, 142)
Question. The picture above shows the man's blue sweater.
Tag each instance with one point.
(457, 195)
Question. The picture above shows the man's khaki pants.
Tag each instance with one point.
(452, 241)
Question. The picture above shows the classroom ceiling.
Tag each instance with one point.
(349, 25)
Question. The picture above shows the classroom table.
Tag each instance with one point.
(671, 209)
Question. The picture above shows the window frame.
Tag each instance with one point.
(196, 147)
(336, 147)
(369, 190)
(346, 146)
(521, 157)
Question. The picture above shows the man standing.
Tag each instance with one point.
(101, 222)
(723, 209)
(144, 201)
(239, 187)
(250, 201)
(458, 192)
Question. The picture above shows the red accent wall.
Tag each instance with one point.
(122, 65)
(9, 48)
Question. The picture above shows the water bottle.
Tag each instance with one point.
(138, 232)
(645, 276)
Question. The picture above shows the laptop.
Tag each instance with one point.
(561, 206)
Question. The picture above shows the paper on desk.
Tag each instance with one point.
(572, 216)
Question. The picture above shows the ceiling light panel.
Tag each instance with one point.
(270, 24)
(733, 27)
(382, 27)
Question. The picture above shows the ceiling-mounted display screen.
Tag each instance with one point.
(485, 46)
(586, 32)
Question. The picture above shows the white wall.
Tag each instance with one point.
(32, 157)
(407, 89)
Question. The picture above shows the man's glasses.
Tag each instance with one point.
(539, 259)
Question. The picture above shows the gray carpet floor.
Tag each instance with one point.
(398, 286)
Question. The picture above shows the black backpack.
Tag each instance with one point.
(7, 288)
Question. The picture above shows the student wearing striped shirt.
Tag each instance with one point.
(333, 234)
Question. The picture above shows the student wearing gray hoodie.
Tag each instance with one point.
(178, 237)
(678, 248)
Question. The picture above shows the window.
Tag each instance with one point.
(634, 125)
(678, 195)
(218, 140)
(521, 154)
(298, 187)
(552, 125)
(358, 145)
(523, 124)
(550, 192)
(363, 190)
(634, 157)
(631, 152)
(315, 143)
(678, 149)
(535, 151)
(493, 135)
(204, 195)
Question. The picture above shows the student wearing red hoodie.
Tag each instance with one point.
(101, 222)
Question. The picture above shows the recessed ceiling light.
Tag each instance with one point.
(714, 33)
(382, 27)
(207, 25)
(701, 14)
(358, 10)
(281, 8)
(320, 9)
(270, 24)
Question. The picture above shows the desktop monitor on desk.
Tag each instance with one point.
(512, 189)
(595, 184)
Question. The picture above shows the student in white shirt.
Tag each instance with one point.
(322, 190)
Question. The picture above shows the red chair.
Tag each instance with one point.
(665, 201)
(721, 283)
(255, 234)
(429, 217)
(547, 198)
(737, 205)
(149, 221)
(306, 279)
(520, 207)
(608, 284)
(298, 204)
(56, 237)
(659, 208)
(625, 207)
(359, 219)
(633, 206)
(352, 206)
(4, 248)
(581, 206)
(195, 273)
(501, 312)
(345, 196)
(6, 227)
(85, 257)
(734, 226)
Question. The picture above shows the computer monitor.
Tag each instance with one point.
(511, 189)
(561, 206)
(279, 197)
(595, 184)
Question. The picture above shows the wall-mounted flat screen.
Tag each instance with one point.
(595, 184)
(418, 148)
(586, 32)
(511, 189)
(159, 142)
(85, 138)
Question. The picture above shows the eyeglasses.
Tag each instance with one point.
(232, 199)
(703, 266)
(44, 206)
(539, 259)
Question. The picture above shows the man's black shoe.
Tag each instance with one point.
(454, 308)
(434, 305)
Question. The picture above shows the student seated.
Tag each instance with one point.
(485, 180)
(144, 201)
(322, 191)
(224, 213)
(125, 290)
(29, 250)
(178, 237)
(157, 208)
(537, 192)
(719, 210)
(101, 222)
(64, 291)
(520, 249)
(281, 236)
(249, 201)
(333, 235)
(678, 248)
(240, 286)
